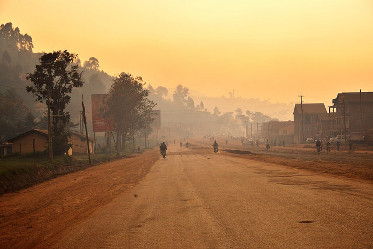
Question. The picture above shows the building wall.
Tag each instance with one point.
(25, 144)
(312, 127)
(356, 117)
(278, 132)
(79, 145)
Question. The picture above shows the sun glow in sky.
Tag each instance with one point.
(266, 49)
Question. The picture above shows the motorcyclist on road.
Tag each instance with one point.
(267, 145)
(215, 145)
(163, 149)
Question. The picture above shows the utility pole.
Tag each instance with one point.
(344, 119)
(361, 115)
(80, 123)
(86, 132)
(301, 107)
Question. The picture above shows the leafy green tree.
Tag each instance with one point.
(128, 107)
(52, 83)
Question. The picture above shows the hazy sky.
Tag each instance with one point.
(267, 49)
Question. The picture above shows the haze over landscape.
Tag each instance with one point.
(267, 50)
(186, 124)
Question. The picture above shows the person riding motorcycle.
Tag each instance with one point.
(215, 145)
(163, 149)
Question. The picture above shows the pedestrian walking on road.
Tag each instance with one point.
(318, 146)
(351, 145)
(338, 145)
(328, 145)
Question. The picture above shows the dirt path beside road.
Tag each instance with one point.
(356, 165)
(34, 216)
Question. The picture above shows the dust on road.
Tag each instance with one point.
(192, 199)
(32, 218)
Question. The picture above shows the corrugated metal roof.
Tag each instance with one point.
(45, 133)
(42, 132)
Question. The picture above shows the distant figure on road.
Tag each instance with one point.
(318, 146)
(215, 145)
(267, 145)
(351, 145)
(257, 143)
(163, 149)
(328, 145)
(181, 144)
(338, 145)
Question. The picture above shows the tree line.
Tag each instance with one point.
(71, 78)
(54, 79)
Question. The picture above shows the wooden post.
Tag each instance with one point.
(86, 132)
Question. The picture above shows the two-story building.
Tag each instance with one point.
(278, 132)
(352, 112)
(308, 121)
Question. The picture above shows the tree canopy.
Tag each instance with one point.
(52, 82)
(128, 106)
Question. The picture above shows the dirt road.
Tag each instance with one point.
(197, 199)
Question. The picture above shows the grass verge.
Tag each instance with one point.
(17, 172)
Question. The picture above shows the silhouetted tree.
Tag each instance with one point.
(180, 95)
(12, 113)
(128, 107)
(12, 39)
(92, 63)
(162, 91)
(52, 83)
(238, 111)
(216, 111)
